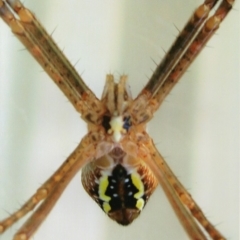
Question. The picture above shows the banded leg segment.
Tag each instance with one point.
(179, 46)
(41, 45)
(48, 46)
(171, 185)
(178, 59)
(184, 216)
(37, 218)
(209, 28)
(82, 154)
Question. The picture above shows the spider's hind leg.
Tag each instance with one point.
(187, 210)
(50, 191)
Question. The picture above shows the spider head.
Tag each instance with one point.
(116, 125)
(116, 97)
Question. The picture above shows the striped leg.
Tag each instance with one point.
(43, 48)
(183, 204)
(187, 46)
(80, 156)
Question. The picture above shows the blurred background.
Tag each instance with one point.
(196, 129)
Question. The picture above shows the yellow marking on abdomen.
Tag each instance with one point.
(106, 207)
(103, 184)
(137, 182)
(140, 204)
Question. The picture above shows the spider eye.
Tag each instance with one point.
(106, 122)
(127, 123)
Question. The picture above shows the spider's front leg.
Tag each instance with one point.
(40, 44)
(188, 45)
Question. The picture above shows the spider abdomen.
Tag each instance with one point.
(120, 189)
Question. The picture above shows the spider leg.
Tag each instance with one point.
(180, 44)
(145, 150)
(34, 37)
(187, 46)
(37, 218)
(179, 197)
(83, 153)
(209, 28)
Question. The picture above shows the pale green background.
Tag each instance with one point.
(197, 128)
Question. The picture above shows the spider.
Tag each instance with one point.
(108, 129)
